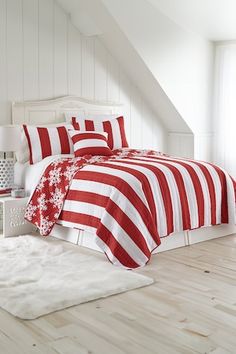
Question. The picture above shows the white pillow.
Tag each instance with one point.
(23, 155)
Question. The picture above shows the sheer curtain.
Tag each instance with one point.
(225, 107)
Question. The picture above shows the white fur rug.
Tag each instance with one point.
(42, 275)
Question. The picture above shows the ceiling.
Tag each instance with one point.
(212, 19)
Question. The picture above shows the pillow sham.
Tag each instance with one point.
(90, 143)
(98, 117)
(23, 154)
(43, 142)
(115, 129)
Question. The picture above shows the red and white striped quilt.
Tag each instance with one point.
(132, 199)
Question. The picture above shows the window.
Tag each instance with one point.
(225, 107)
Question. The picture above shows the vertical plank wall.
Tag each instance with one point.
(42, 55)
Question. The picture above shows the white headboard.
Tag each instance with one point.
(51, 111)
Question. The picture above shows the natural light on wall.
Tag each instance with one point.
(225, 107)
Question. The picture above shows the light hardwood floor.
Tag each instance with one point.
(191, 308)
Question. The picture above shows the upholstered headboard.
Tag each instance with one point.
(52, 111)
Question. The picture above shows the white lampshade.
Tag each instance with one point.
(10, 138)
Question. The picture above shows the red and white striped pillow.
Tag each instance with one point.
(90, 143)
(45, 142)
(115, 129)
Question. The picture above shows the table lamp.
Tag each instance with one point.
(9, 142)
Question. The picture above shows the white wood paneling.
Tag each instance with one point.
(30, 49)
(189, 145)
(46, 48)
(125, 93)
(44, 56)
(88, 63)
(136, 125)
(14, 50)
(3, 62)
(100, 71)
(151, 135)
(74, 60)
(112, 79)
(60, 52)
(181, 144)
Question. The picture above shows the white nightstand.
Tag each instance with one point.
(12, 222)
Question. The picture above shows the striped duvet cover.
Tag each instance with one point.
(132, 199)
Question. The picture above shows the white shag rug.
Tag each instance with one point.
(42, 275)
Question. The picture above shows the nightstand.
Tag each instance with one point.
(12, 222)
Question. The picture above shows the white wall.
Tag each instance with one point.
(43, 56)
(181, 61)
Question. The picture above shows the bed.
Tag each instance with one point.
(52, 111)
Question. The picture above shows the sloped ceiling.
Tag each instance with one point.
(212, 19)
(179, 60)
(91, 17)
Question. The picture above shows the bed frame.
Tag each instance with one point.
(52, 111)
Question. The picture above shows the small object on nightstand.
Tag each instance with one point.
(18, 192)
(9, 142)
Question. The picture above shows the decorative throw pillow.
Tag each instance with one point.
(90, 143)
(115, 129)
(48, 141)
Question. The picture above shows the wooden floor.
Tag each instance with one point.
(191, 308)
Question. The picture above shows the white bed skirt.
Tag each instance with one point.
(176, 240)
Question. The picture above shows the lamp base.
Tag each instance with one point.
(6, 175)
